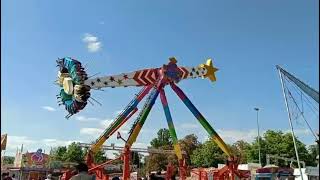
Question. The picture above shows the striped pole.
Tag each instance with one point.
(213, 134)
(145, 112)
(172, 131)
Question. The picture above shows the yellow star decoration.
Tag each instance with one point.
(210, 70)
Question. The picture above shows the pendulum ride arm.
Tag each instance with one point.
(147, 77)
(118, 122)
(172, 130)
(214, 135)
(76, 87)
(135, 131)
(142, 118)
(176, 146)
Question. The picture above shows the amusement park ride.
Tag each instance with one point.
(75, 94)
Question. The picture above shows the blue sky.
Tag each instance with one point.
(245, 38)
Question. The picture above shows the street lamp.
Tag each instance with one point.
(257, 109)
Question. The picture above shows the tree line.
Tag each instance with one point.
(206, 154)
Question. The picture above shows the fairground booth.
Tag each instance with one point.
(34, 165)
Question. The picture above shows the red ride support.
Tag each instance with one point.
(200, 173)
(126, 163)
(106, 177)
(89, 159)
(169, 171)
(182, 169)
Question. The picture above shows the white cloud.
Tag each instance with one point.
(95, 132)
(124, 129)
(106, 123)
(17, 141)
(300, 132)
(140, 145)
(117, 112)
(89, 38)
(190, 125)
(56, 142)
(93, 44)
(30, 144)
(231, 136)
(86, 119)
(48, 108)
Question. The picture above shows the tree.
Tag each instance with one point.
(208, 155)
(135, 159)
(278, 143)
(156, 162)
(314, 152)
(241, 149)
(58, 154)
(163, 139)
(160, 161)
(8, 160)
(188, 144)
(74, 153)
(99, 157)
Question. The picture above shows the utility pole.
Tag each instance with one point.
(257, 109)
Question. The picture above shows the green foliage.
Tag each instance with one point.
(163, 139)
(99, 157)
(8, 160)
(58, 154)
(201, 155)
(314, 152)
(142, 171)
(272, 142)
(278, 143)
(74, 153)
(135, 159)
(188, 144)
(55, 164)
(155, 162)
(241, 149)
(208, 155)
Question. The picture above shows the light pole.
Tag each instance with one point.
(257, 109)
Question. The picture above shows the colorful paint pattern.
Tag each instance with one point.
(141, 119)
(214, 135)
(172, 130)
